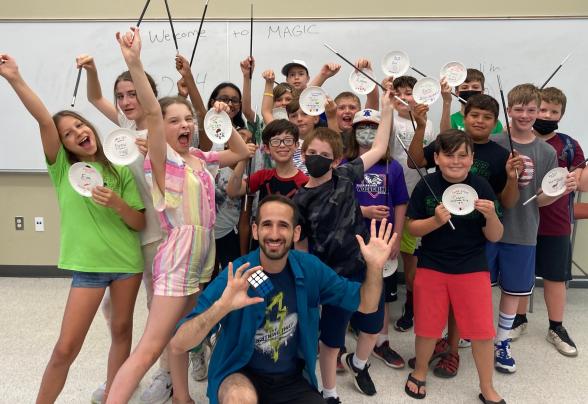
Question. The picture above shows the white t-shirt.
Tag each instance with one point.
(403, 127)
(152, 231)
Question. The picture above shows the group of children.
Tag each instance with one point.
(176, 215)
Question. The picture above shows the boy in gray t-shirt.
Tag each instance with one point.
(512, 259)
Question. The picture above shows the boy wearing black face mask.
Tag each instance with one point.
(553, 254)
(473, 84)
(330, 216)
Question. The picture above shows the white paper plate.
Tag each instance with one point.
(120, 147)
(455, 72)
(426, 91)
(83, 178)
(359, 83)
(395, 63)
(554, 182)
(312, 100)
(218, 126)
(390, 267)
(280, 113)
(459, 199)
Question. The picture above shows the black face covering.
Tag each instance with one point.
(317, 165)
(545, 127)
(466, 94)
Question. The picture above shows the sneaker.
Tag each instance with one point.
(361, 377)
(332, 400)
(503, 361)
(160, 389)
(517, 331)
(199, 366)
(447, 367)
(441, 349)
(388, 355)
(463, 343)
(98, 394)
(404, 323)
(340, 368)
(562, 341)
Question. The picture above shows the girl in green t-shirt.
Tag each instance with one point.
(87, 223)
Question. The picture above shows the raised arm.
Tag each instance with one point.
(372, 100)
(183, 67)
(327, 71)
(382, 138)
(415, 148)
(446, 111)
(234, 297)
(237, 150)
(93, 89)
(130, 46)
(49, 134)
(510, 193)
(375, 253)
(247, 66)
(267, 102)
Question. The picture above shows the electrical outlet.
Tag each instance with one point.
(19, 222)
(39, 223)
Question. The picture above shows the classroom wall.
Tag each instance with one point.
(31, 195)
(32, 9)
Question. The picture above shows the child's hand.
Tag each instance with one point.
(485, 207)
(183, 66)
(363, 64)
(130, 44)
(514, 164)
(387, 83)
(571, 183)
(420, 114)
(330, 69)
(86, 62)
(269, 75)
(106, 197)
(387, 101)
(445, 91)
(442, 215)
(182, 88)
(221, 106)
(8, 67)
(252, 147)
(330, 108)
(142, 145)
(377, 212)
(247, 66)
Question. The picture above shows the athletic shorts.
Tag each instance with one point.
(408, 243)
(98, 279)
(470, 297)
(391, 288)
(512, 267)
(553, 258)
(334, 321)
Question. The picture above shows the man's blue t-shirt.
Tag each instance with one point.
(276, 339)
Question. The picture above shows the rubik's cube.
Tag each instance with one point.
(261, 283)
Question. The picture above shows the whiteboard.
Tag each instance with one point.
(519, 50)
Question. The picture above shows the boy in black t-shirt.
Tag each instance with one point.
(330, 217)
(492, 162)
(452, 268)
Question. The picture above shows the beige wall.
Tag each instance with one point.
(113, 9)
(31, 195)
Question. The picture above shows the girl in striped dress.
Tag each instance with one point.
(183, 194)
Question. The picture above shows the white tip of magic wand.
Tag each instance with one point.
(566, 59)
(333, 50)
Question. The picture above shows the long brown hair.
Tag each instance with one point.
(100, 156)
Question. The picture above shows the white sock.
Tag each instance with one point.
(330, 392)
(504, 326)
(381, 339)
(358, 363)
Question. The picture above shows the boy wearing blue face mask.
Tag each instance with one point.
(330, 217)
(382, 193)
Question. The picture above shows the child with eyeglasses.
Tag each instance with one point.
(280, 138)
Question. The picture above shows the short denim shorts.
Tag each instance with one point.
(97, 279)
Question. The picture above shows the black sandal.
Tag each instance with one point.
(483, 399)
(419, 384)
